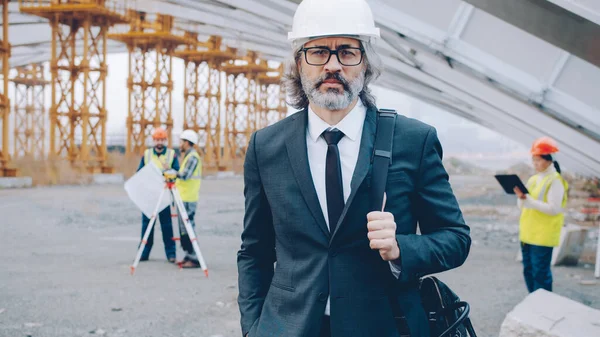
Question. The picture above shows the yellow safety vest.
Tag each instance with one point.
(538, 228)
(166, 158)
(190, 188)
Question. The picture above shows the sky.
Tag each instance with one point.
(459, 137)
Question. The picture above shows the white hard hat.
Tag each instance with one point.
(190, 135)
(322, 18)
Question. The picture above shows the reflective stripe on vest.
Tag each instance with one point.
(538, 228)
(546, 182)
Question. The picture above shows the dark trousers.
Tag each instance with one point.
(536, 267)
(166, 228)
(325, 327)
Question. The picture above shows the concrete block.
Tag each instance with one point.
(108, 179)
(546, 314)
(572, 240)
(15, 182)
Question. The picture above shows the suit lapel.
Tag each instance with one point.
(363, 163)
(298, 156)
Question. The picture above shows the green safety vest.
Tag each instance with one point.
(190, 188)
(165, 159)
(538, 228)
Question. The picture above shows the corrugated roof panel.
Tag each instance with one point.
(511, 45)
(581, 80)
(434, 12)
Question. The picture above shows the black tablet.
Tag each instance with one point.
(509, 181)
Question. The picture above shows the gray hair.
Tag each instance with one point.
(292, 80)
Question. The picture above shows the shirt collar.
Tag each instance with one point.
(190, 150)
(350, 125)
(548, 170)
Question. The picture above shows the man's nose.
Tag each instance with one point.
(333, 65)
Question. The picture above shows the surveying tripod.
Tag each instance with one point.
(170, 177)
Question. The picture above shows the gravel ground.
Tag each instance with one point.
(67, 251)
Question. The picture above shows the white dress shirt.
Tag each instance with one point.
(349, 146)
(555, 196)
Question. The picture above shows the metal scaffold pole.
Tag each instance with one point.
(78, 67)
(241, 104)
(202, 96)
(30, 113)
(151, 46)
(272, 97)
(5, 169)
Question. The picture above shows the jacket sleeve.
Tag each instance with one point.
(141, 164)
(175, 164)
(257, 254)
(188, 170)
(444, 242)
(555, 197)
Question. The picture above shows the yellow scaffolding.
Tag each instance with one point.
(151, 46)
(272, 97)
(78, 67)
(202, 96)
(5, 169)
(242, 106)
(30, 114)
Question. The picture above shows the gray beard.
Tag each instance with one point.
(332, 99)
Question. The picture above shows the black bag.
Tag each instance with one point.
(448, 316)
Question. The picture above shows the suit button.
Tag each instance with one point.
(322, 297)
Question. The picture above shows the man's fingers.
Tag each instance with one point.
(377, 225)
(372, 216)
(385, 244)
(386, 255)
(381, 234)
(388, 249)
(376, 244)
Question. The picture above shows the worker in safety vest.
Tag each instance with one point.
(164, 159)
(188, 185)
(542, 215)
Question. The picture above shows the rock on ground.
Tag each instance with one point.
(545, 314)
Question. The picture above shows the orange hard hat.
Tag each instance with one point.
(159, 133)
(544, 145)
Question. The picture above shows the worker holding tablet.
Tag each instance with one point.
(542, 215)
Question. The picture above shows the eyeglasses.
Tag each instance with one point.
(347, 56)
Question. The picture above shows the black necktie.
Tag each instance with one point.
(333, 178)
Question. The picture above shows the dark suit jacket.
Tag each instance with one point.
(283, 223)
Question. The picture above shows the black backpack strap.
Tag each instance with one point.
(382, 155)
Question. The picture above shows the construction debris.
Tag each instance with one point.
(546, 314)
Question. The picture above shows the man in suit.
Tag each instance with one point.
(315, 260)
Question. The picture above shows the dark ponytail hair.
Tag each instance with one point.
(549, 158)
(556, 166)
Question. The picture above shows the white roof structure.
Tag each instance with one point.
(523, 68)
